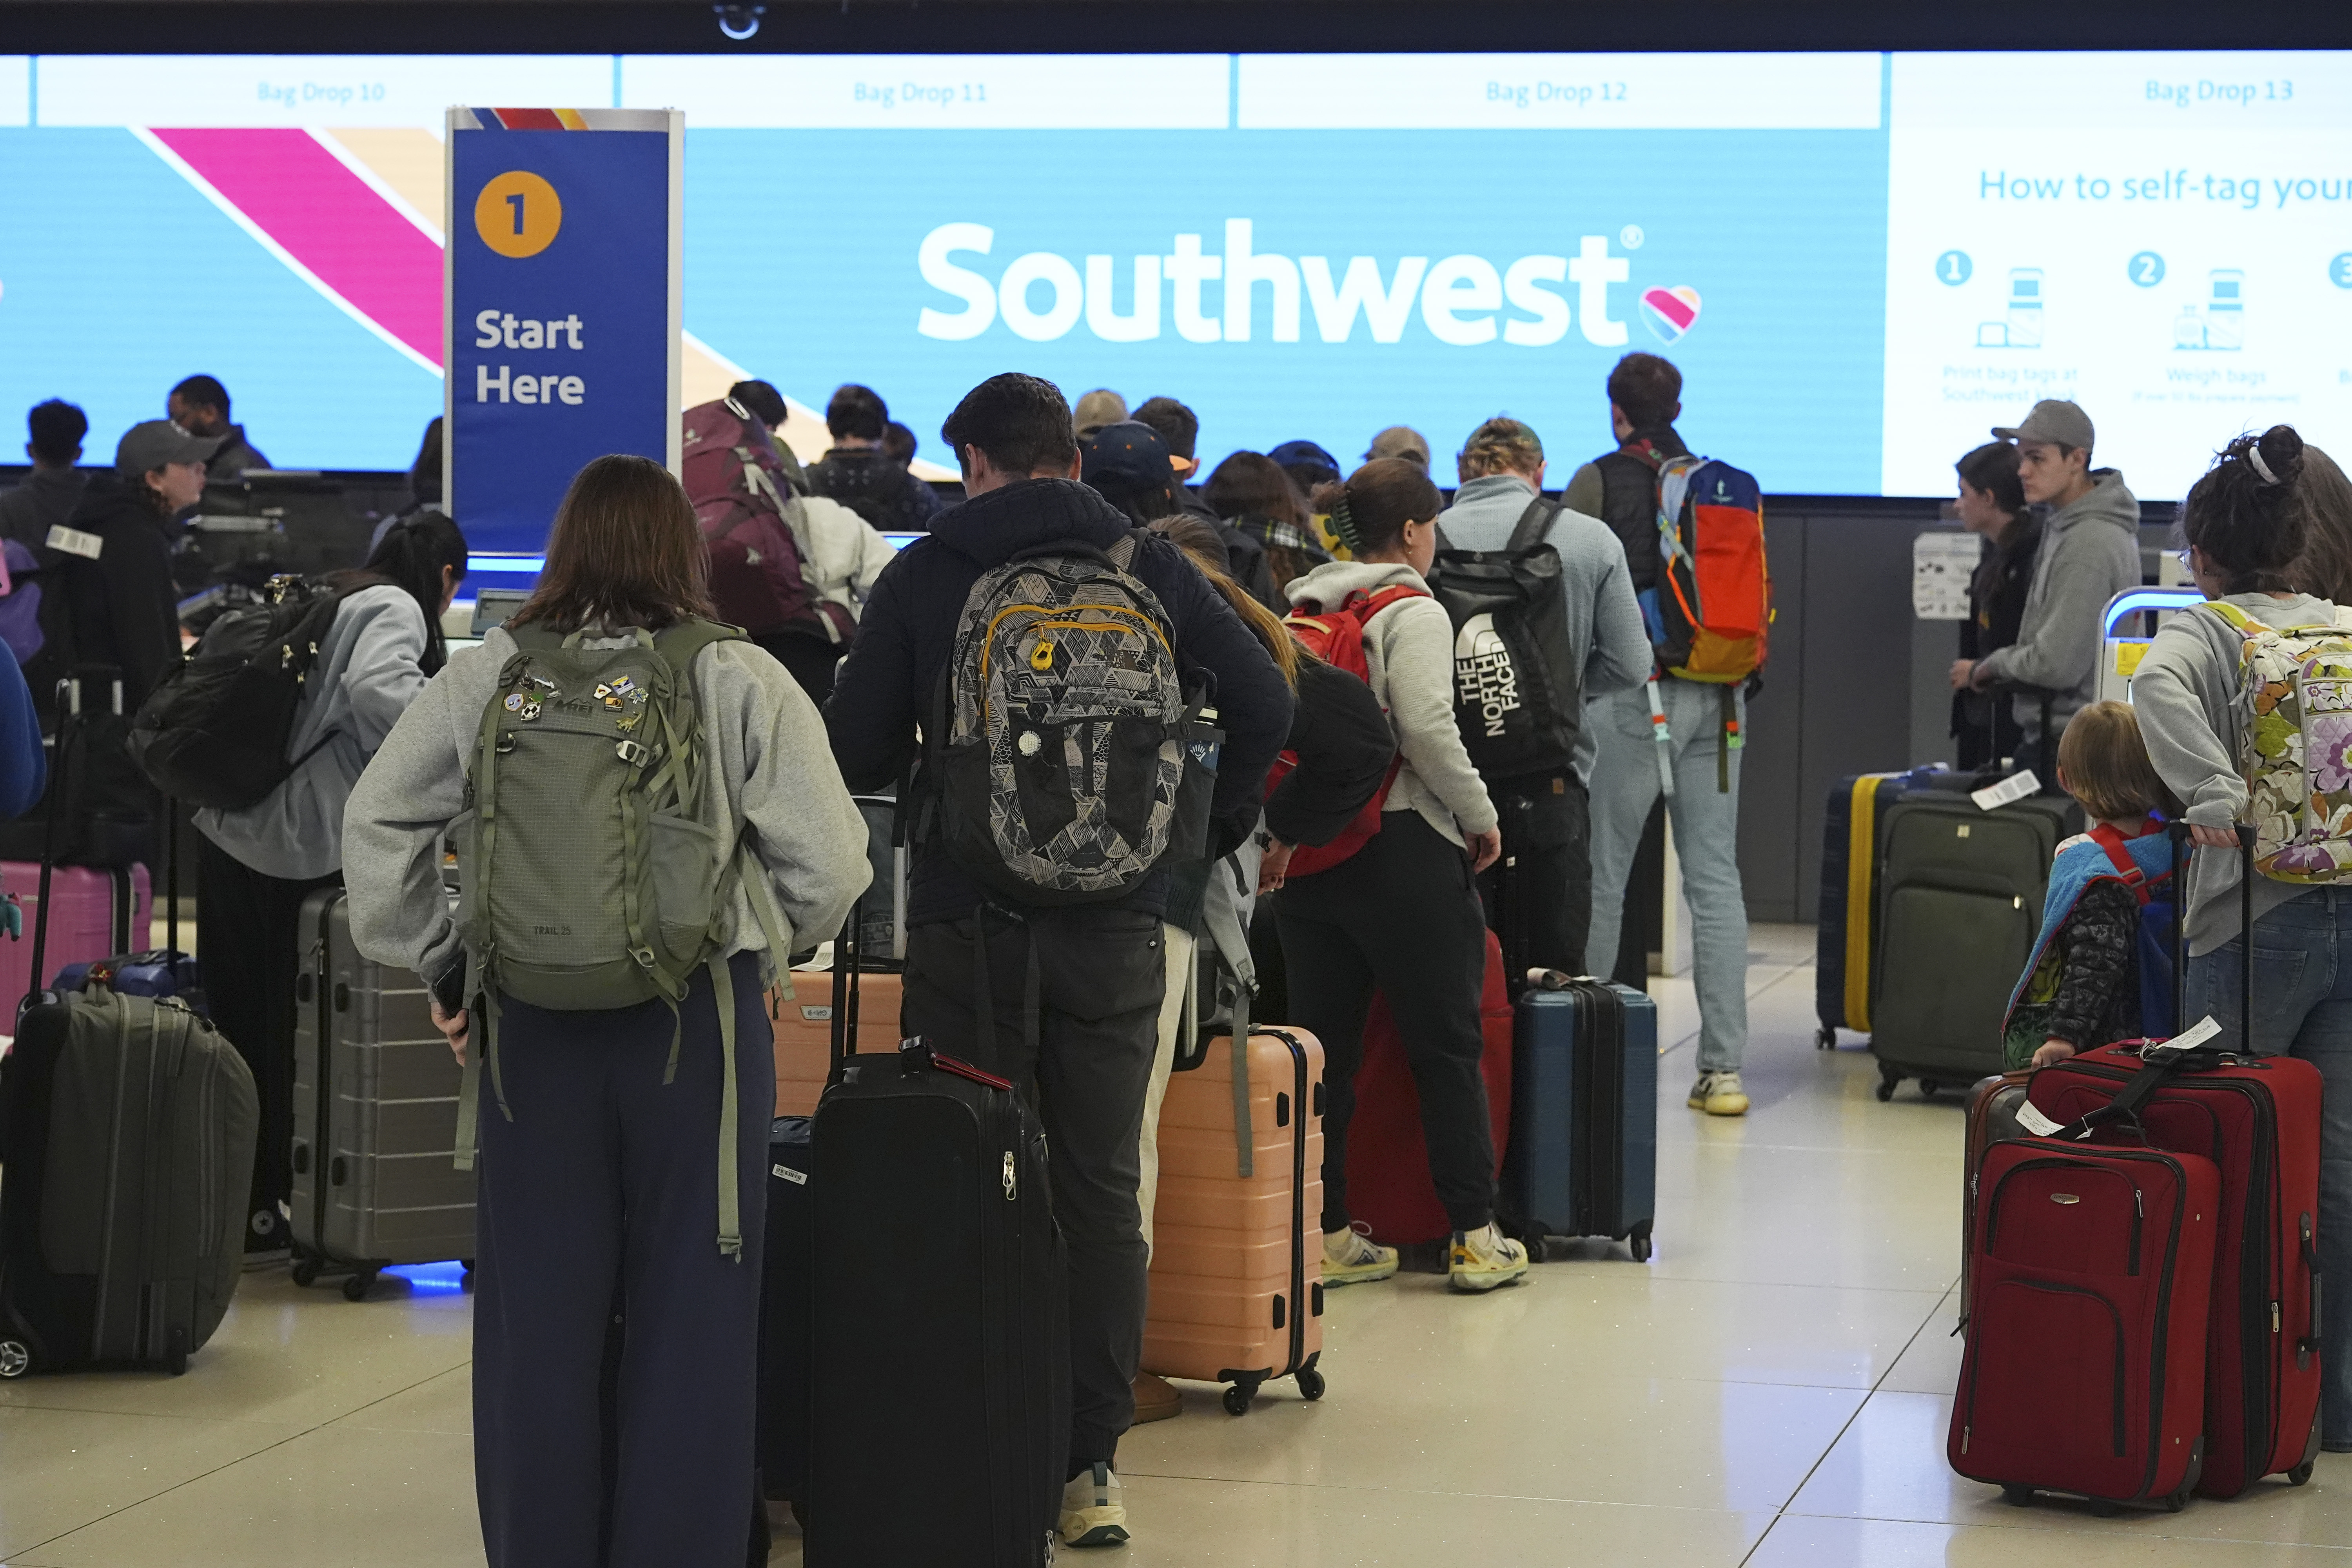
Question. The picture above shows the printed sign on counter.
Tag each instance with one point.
(1942, 565)
(561, 339)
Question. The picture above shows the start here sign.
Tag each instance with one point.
(562, 330)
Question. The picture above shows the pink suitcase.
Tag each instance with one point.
(93, 915)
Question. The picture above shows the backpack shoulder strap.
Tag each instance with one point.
(682, 641)
(1535, 524)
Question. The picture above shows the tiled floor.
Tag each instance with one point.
(1772, 1390)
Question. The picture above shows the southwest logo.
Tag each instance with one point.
(1670, 313)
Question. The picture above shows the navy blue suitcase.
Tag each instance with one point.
(1584, 1156)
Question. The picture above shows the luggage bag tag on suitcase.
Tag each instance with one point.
(1221, 918)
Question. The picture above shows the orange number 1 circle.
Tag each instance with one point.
(518, 214)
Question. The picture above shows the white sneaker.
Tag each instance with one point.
(1719, 1094)
(1092, 1512)
(1485, 1259)
(1352, 1258)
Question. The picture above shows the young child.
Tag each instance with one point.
(2083, 986)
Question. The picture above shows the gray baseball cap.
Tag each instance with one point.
(1400, 441)
(1098, 408)
(2059, 421)
(152, 443)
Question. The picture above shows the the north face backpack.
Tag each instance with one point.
(1712, 608)
(20, 600)
(744, 500)
(213, 733)
(1337, 637)
(1068, 761)
(588, 878)
(2298, 691)
(1517, 692)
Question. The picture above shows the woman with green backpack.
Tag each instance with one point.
(2212, 696)
(646, 812)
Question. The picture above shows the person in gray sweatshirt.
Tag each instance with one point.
(1546, 818)
(2090, 553)
(1402, 913)
(256, 864)
(2245, 525)
(597, 1160)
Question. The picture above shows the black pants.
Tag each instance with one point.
(1538, 897)
(603, 1189)
(1400, 914)
(1100, 976)
(249, 927)
(811, 660)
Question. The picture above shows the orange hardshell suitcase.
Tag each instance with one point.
(1237, 1259)
(803, 1027)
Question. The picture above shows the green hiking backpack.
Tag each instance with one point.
(587, 878)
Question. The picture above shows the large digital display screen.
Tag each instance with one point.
(1860, 261)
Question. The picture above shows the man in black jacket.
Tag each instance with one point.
(200, 406)
(1097, 969)
(860, 475)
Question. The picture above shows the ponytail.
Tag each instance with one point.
(411, 555)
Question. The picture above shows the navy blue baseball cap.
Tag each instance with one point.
(1126, 459)
(1304, 454)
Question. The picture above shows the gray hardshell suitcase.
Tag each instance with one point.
(387, 1102)
(1960, 905)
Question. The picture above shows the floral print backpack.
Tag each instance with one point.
(2298, 761)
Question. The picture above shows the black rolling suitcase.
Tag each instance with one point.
(127, 1128)
(1960, 905)
(941, 1307)
(1584, 1155)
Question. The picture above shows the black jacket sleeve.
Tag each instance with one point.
(144, 607)
(875, 707)
(1344, 747)
(1253, 702)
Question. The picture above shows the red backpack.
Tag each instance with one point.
(1337, 637)
(751, 523)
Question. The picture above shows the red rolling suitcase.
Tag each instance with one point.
(2091, 1280)
(1389, 1186)
(2257, 1118)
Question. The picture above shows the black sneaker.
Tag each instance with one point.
(268, 1238)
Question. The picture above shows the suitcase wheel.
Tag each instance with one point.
(1930, 1087)
(1239, 1396)
(1887, 1078)
(1824, 1038)
(176, 1363)
(16, 1360)
(2179, 1500)
(306, 1272)
(2017, 1496)
(1640, 1243)
(1310, 1385)
(356, 1287)
(2296, 1477)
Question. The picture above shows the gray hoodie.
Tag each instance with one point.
(367, 674)
(1605, 636)
(1410, 649)
(2090, 553)
(767, 753)
(2189, 694)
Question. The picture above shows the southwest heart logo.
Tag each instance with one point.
(1670, 313)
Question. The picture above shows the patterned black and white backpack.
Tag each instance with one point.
(1060, 745)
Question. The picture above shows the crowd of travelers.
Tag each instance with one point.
(595, 1125)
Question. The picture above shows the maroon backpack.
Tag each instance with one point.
(743, 499)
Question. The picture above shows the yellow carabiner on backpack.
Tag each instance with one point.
(1041, 657)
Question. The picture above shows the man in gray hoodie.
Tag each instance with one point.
(2090, 553)
(1545, 819)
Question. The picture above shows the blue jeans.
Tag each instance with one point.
(1705, 821)
(2303, 1007)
